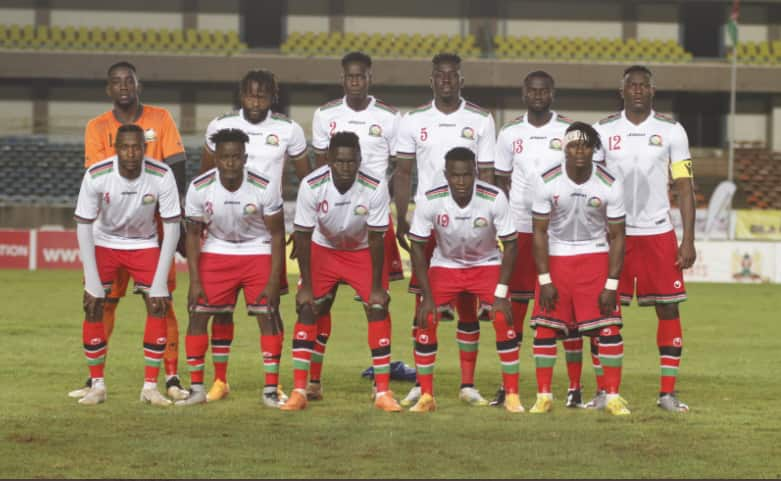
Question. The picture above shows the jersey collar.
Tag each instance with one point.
(548, 123)
(650, 116)
(268, 115)
(370, 105)
(461, 105)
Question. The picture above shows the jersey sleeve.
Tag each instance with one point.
(393, 134)
(95, 148)
(88, 203)
(421, 227)
(211, 129)
(679, 144)
(486, 143)
(193, 204)
(541, 206)
(599, 154)
(379, 212)
(320, 136)
(272, 201)
(168, 198)
(503, 153)
(297, 144)
(406, 146)
(306, 209)
(503, 221)
(615, 202)
(171, 140)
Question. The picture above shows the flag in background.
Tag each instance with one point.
(732, 25)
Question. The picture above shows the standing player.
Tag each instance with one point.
(578, 221)
(425, 135)
(163, 144)
(273, 139)
(648, 150)
(376, 124)
(244, 249)
(341, 218)
(466, 217)
(116, 229)
(525, 145)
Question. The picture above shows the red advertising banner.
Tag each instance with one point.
(14, 249)
(58, 250)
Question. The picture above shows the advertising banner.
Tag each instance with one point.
(758, 225)
(15, 249)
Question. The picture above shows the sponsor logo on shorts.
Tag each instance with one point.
(595, 202)
(384, 342)
(423, 338)
(150, 135)
(677, 342)
(375, 130)
(272, 139)
(301, 335)
(148, 199)
(480, 222)
(95, 341)
(250, 209)
(468, 133)
(606, 331)
(361, 210)
(510, 334)
(160, 340)
(267, 354)
(655, 140)
(555, 144)
(677, 284)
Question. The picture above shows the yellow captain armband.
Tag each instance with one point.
(682, 169)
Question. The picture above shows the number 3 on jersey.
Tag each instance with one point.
(614, 142)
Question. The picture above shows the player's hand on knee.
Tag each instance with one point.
(269, 296)
(158, 306)
(379, 299)
(549, 296)
(194, 294)
(607, 302)
(401, 233)
(93, 307)
(425, 313)
(503, 306)
(292, 240)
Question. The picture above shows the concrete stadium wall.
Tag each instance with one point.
(658, 22)
(570, 19)
(307, 16)
(19, 13)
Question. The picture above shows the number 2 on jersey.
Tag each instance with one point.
(614, 142)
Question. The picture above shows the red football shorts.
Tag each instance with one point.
(223, 275)
(329, 267)
(140, 264)
(649, 261)
(447, 283)
(579, 280)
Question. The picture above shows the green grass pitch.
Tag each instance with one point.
(729, 377)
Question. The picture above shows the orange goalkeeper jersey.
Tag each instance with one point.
(163, 142)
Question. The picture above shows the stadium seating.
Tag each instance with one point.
(35, 171)
(190, 41)
(589, 49)
(378, 44)
(758, 176)
(758, 53)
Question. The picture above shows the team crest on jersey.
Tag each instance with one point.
(250, 209)
(655, 140)
(150, 135)
(148, 199)
(595, 202)
(375, 130)
(361, 210)
(480, 222)
(468, 133)
(272, 139)
(555, 144)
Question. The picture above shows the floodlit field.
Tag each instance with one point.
(729, 377)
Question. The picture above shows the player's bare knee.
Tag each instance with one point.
(223, 318)
(667, 311)
(376, 313)
(198, 323)
(306, 314)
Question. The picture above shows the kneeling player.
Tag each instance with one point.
(341, 219)
(465, 216)
(578, 214)
(244, 249)
(116, 229)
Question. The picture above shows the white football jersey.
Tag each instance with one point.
(376, 127)
(522, 150)
(341, 221)
(641, 156)
(578, 213)
(466, 237)
(428, 134)
(235, 221)
(269, 141)
(124, 209)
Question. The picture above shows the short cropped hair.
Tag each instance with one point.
(446, 57)
(460, 153)
(344, 139)
(637, 68)
(539, 74)
(588, 133)
(122, 64)
(130, 129)
(229, 135)
(265, 79)
(357, 57)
